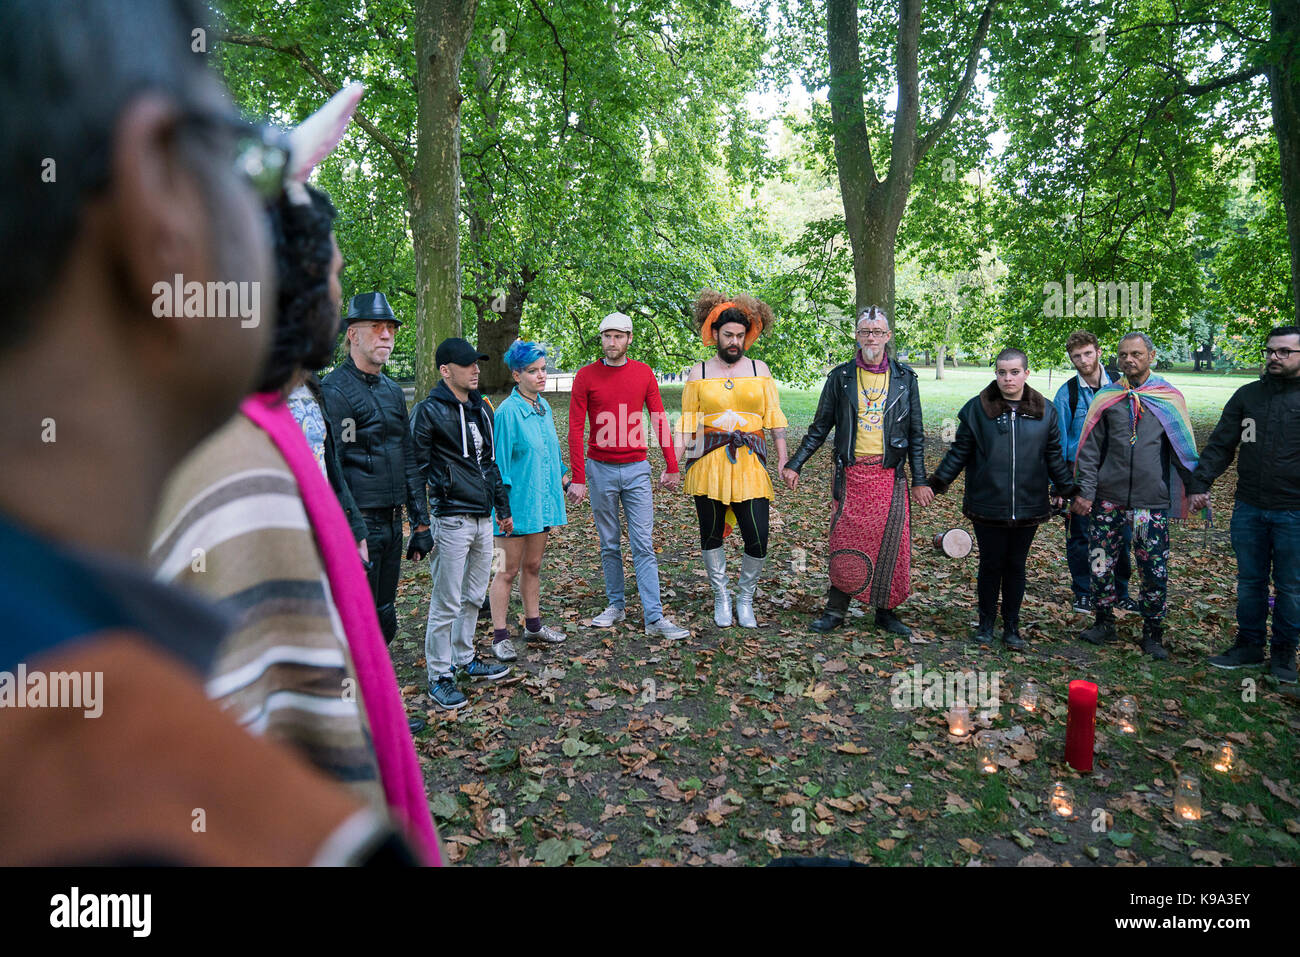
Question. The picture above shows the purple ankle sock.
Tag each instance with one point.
(500, 634)
(534, 625)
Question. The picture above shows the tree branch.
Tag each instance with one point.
(963, 89)
(295, 52)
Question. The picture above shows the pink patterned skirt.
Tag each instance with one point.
(871, 544)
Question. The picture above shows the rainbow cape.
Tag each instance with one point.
(1156, 397)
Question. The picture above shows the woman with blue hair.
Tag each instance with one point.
(528, 456)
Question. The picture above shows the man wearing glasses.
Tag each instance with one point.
(874, 405)
(367, 412)
(1263, 418)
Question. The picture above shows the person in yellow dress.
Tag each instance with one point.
(728, 404)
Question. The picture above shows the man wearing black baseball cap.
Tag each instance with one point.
(367, 412)
(451, 433)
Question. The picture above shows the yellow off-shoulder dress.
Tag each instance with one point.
(750, 405)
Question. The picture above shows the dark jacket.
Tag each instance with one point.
(334, 468)
(904, 438)
(1262, 417)
(1129, 474)
(1009, 456)
(460, 482)
(367, 414)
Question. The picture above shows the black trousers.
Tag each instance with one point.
(384, 545)
(751, 518)
(1003, 552)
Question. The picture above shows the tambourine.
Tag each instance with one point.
(955, 543)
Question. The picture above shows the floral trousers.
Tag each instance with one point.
(1150, 554)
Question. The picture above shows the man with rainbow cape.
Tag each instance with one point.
(1135, 454)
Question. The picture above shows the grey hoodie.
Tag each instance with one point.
(1134, 475)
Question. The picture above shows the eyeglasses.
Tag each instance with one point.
(1283, 354)
(261, 154)
(873, 333)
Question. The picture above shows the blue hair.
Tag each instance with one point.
(523, 354)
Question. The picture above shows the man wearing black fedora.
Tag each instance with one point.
(367, 412)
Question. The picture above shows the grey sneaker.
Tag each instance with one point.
(608, 617)
(667, 628)
(480, 670)
(547, 636)
(446, 695)
(504, 650)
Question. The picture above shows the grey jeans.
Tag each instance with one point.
(460, 565)
(609, 486)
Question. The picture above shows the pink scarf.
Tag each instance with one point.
(880, 367)
(399, 769)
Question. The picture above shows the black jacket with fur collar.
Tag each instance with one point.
(1009, 457)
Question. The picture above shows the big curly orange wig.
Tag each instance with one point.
(712, 309)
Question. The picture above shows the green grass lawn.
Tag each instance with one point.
(737, 746)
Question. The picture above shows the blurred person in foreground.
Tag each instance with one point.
(306, 664)
(118, 173)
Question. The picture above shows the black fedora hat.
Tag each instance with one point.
(370, 307)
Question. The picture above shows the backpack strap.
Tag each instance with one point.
(1073, 387)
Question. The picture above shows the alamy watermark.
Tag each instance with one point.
(55, 689)
(211, 300)
(1085, 300)
(918, 688)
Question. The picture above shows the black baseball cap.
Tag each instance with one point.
(456, 352)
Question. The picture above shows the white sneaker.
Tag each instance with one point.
(666, 628)
(608, 617)
(504, 650)
(547, 636)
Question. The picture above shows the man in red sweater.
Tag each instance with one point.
(612, 392)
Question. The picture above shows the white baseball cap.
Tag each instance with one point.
(617, 320)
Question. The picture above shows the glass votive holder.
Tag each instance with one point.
(1187, 798)
(960, 724)
(1061, 802)
(1126, 712)
(1028, 697)
(987, 748)
(1225, 758)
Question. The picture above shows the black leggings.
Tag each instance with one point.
(1003, 552)
(751, 516)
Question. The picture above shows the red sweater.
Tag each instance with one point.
(613, 397)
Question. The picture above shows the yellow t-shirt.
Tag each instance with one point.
(873, 387)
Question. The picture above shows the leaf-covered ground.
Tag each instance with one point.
(739, 746)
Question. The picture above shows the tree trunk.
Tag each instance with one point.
(938, 360)
(1284, 87)
(442, 30)
(497, 330)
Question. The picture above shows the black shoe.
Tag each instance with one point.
(416, 724)
(1153, 644)
(886, 619)
(1011, 636)
(1282, 667)
(983, 634)
(837, 607)
(1102, 631)
(1127, 603)
(1239, 656)
(1083, 604)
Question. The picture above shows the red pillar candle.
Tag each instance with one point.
(1080, 725)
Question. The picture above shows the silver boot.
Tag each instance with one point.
(715, 563)
(750, 569)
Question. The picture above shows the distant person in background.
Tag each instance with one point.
(532, 470)
(612, 392)
(1136, 453)
(727, 406)
(1262, 419)
(874, 405)
(367, 413)
(454, 437)
(157, 176)
(1072, 401)
(1009, 442)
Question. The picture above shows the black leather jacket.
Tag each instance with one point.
(838, 408)
(444, 449)
(367, 414)
(1009, 458)
(1267, 413)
